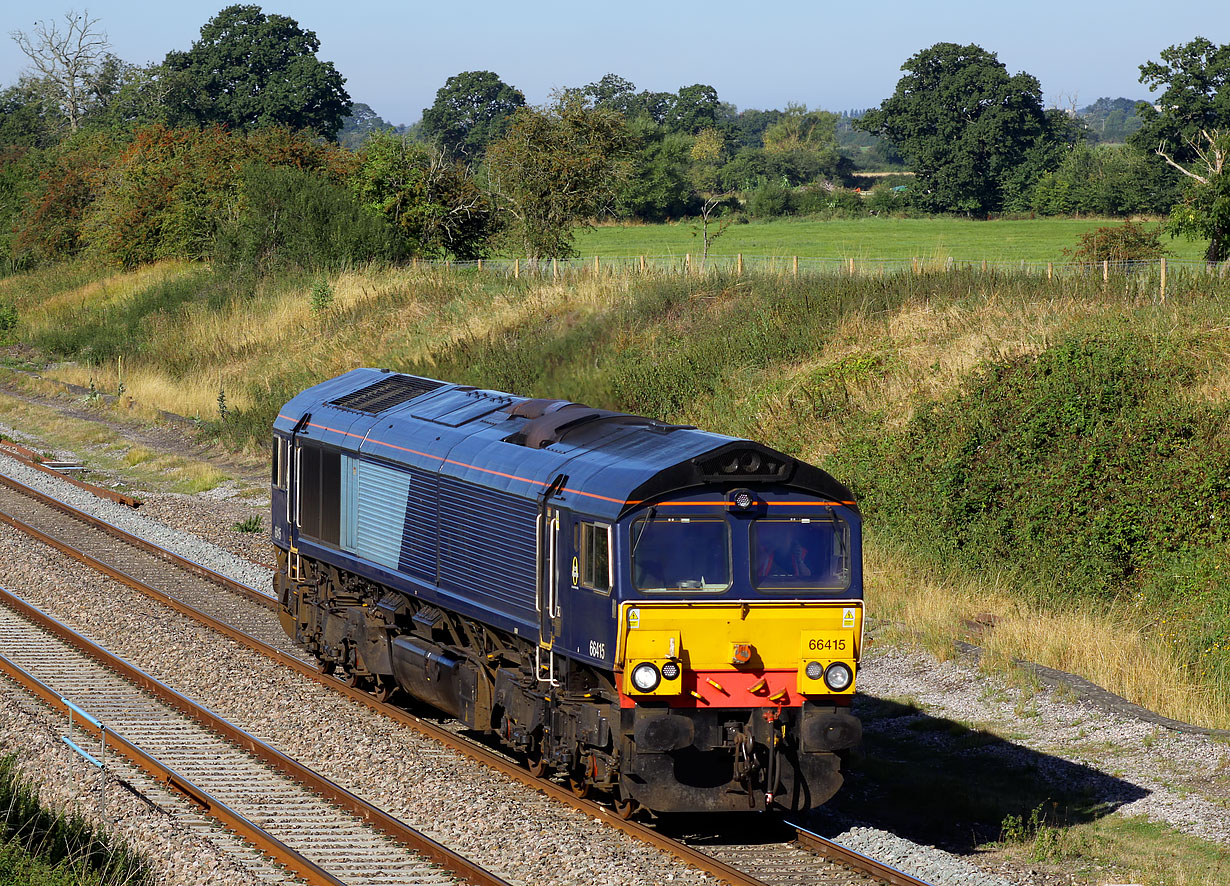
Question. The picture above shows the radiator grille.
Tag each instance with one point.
(386, 393)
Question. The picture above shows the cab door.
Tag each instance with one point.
(586, 584)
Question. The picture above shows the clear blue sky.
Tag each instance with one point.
(395, 56)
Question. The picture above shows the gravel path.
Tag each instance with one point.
(1142, 768)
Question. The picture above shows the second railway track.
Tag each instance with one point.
(246, 615)
(318, 830)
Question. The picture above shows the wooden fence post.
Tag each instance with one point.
(448, 265)
(914, 263)
(851, 267)
(642, 264)
(1163, 284)
(596, 266)
(739, 265)
(1050, 270)
(414, 262)
(480, 264)
(984, 266)
(554, 270)
(1105, 270)
(687, 263)
(516, 269)
(796, 266)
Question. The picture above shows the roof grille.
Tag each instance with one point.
(386, 393)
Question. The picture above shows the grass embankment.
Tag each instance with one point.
(1053, 452)
(41, 847)
(867, 239)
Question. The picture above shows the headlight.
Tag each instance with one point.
(814, 670)
(670, 671)
(645, 677)
(837, 677)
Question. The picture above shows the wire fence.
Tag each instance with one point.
(794, 265)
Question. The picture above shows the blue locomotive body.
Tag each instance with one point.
(493, 555)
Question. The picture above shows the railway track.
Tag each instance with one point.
(317, 830)
(245, 615)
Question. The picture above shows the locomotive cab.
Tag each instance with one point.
(739, 634)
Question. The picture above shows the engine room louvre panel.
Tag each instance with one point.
(382, 494)
(418, 547)
(487, 543)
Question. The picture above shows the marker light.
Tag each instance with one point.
(814, 671)
(645, 677)
(837, 677)
(670, 671)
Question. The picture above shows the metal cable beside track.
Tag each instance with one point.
(247, 621)
(318, 829)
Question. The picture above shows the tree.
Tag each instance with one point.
(708, 152)
(68, 60)
(25, 119)
(613, 93)
(963, 124)
(1189, 129)
(433, 201)
(658, 186)
(360, 125)
(556, 168)
(472, 109)
(695, 109)
(250, 70)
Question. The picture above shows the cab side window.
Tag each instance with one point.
(594, 552)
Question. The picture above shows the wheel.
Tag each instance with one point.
(383, 691)
(352, 679)
(625, 809)
(324, 666)
(579, 786)
(538, 765)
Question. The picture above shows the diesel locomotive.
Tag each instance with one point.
(665, 615)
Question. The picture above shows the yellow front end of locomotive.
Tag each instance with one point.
(755, 652)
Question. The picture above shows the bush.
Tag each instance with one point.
(8, 321)
(293, 218)
(771, 199)
(1120, 244)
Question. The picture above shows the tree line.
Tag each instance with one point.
(247, 149)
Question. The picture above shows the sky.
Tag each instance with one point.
(395, 55)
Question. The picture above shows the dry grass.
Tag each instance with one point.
(380, 318)
(1116, 648)
(103, 449)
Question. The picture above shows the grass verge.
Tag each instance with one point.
(42, 847)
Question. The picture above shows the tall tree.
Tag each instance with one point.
(556, 168)
(963, 124)
(1189, 129)
(250, 70)
(68, 60)
(695, 109)
(471, 110)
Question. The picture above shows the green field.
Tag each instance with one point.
(868, 239)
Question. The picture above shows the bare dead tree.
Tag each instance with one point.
(1212, 155)
(68, 58)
